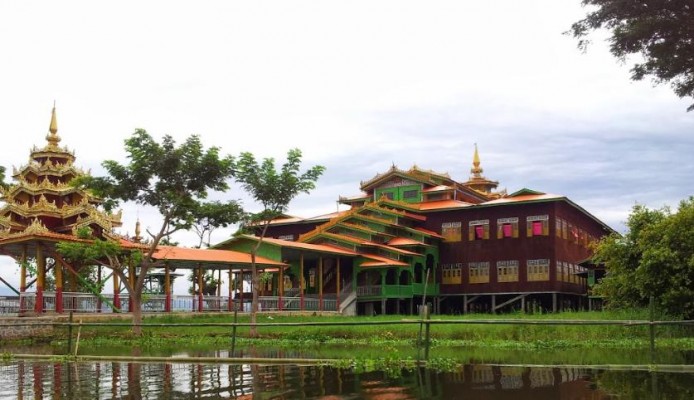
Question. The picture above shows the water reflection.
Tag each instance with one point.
(114, 380)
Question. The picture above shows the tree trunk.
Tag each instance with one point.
(136, 298)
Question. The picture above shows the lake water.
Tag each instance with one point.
(119, 380)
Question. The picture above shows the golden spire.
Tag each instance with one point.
(476, 170)
(137, 237)
(53, 138)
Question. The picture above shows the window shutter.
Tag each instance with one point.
(500, 230)
(515, 230)
(471, 233)
(486, 231)
(545, 227)
(529, 228)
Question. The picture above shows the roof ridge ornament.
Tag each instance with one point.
(52, 137)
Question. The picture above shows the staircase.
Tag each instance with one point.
(348, 300)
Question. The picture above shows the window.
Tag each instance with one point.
(574, 233)
(564, 229)
(506, 228)
(451, 274)
(451, 231)
(478, 230)
(410, 194)
(537, 225)
(507, 271)
(286, 237)
(479, 272)
(557, 227)
(560, 269)
(538, 270)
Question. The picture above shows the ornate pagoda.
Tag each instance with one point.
(42, 208)
(479, 182)
(42, 198)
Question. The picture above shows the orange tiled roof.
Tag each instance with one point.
(326, 216)
(428, 232)
(394, 249)
(209, 256)
(442, 205)
(303, 246)
(438, 188)
(381, 261)
(401, 241)
(522, 198)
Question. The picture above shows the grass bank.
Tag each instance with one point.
(468, 333)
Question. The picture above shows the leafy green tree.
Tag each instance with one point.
(660, 31)
(209, 283)
(654, 258)
(2, 178)
(273, 190)
(213, 215)
(173, 179)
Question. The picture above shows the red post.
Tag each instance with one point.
(40, 279)
(320, 283)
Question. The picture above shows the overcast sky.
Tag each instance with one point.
(357, 85)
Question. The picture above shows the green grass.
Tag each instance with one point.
(364, 344)
(526, 336)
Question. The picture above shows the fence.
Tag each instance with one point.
(89, 303)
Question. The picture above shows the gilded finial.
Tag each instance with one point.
(476, 170)
(53, 138)
(137, 237)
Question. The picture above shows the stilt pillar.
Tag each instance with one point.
(301, 281)
(493, 304)
(40, 278)
(230, 303)
(554, 302)
(59, 288)
(200, 287)
(99, 280)
(320, 283)
(337, 284)
(464, 304)
(131, 279)
(23, 271)
(523, 304)
(167, 288)
(116, 292)
(240, 289)
(280, 288)
(22, 278)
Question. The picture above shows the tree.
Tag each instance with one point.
(273, 190)
(654, 258)
(174, 180)
(210, 216)
(3, 185)
(661, 31)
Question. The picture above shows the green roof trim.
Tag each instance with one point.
(525, 192)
